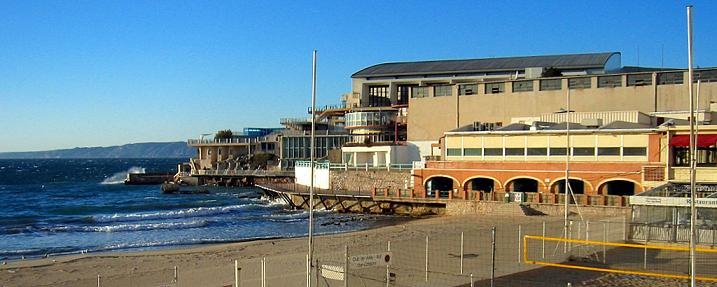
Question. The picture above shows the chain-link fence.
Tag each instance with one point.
(516, 252)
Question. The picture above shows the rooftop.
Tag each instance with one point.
(568, 61)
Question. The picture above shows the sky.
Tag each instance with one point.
(103, 73)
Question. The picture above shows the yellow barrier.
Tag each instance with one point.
(526, 258)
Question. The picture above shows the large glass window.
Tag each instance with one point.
(453, 152)
(639, 80)
(419, 92)
(579, 83)
(550, 84)
(537, 151)
(442, 91)
(472, 152)
(583, 151)
(671, 78)
(378, 96)
(493, 152)
(467, 89)
(634, 151)
(494, 88)
(403, 92)
(705, 76)
(610, 81)
(558, 151)
(514, 151)
(608, 151)
(523, 86)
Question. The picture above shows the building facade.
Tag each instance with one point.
(445, 95)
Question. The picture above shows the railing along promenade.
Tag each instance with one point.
(254, 173)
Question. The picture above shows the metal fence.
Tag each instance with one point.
(529, 252)
(482, 257)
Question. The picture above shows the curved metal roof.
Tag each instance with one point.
(570, 61)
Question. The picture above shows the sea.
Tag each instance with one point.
(52, 207)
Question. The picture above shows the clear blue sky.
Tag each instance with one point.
(99, 73)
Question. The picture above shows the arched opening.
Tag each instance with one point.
(522, 185)
(439, 184)
(481, 184)
(618, 187)
(577, 186)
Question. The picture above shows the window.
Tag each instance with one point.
(494, 88)
(608, 151)
(403, 92)
(634, 151)
(550, 85)
(639, 80)
(558, 151)
(671, 78)
(532, 151)
(493, 152)
(579, 83)
(453, 152)
(514, 151)
(441, 91)
(609, 81)
(378, 96)
(705, 76)
(523, 86)
(467, 89)
(583, 151)
(419, 92)
(472, 152)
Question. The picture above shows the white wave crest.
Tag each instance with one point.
(272, 202)
(119, 177)
(146, 226)
(189, 212)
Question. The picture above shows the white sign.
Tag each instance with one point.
(370, 260)
(672, 201)
(332, 272)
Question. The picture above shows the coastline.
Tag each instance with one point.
(73, 268)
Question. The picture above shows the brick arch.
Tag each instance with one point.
(455, 181)
(589, 184)
(540, 182)
(499, 184)
(605, 181)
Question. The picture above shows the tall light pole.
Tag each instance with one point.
(567, 167)
(693, 150)
(311, 165)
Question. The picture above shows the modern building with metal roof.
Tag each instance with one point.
(593, 63)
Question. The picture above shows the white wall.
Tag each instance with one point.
(321, 177)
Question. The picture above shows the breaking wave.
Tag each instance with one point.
(119, 177)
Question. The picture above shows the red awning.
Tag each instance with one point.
(702, 140)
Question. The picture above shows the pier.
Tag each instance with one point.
(369, 201)
(231, 178)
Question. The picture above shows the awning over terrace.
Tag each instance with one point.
(702, 140)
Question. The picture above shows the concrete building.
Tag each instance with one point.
(607, 161)
(445, 95)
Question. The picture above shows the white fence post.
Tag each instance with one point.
(426, 258)
(98, 280)
(263, 272)
(237, 273)
(543, 239)
(388, 266)
(346, 265)
(176, 277)
(462, 252)
(520, 243)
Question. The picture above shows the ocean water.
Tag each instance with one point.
(63, 206)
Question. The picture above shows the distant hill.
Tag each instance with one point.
(136, 150)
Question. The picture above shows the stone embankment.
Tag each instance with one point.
(368, 180)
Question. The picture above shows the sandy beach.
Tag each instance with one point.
(213, 265)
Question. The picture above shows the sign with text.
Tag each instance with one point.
(370, 260)
(332, 272)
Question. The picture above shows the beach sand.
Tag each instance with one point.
(213, 265)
